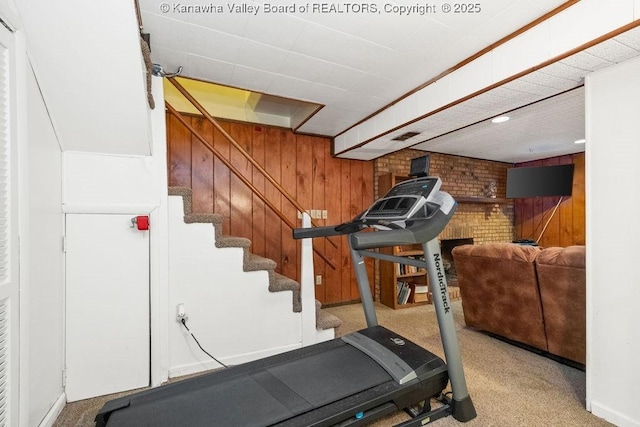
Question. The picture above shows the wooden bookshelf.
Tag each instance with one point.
(390, 272)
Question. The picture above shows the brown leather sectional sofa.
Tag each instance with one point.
(526, 294)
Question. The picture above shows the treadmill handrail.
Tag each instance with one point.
(313, 232)
(424, 225)
(417, 231)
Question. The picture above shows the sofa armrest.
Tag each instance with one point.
(562, 281)
(499, 290)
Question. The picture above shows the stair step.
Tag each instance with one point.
(327, 321)
(324, 319)
(186, 194)
(253, 262)
(283, 283)
(232, 242)
(193, 218)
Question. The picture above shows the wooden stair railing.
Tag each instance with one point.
(237, 173)
(242, 151)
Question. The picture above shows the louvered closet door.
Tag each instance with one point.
(9, 303)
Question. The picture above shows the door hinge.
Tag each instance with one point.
(64, 244)
(64, 377)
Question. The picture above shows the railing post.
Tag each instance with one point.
(307, 291)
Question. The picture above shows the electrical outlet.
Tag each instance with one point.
(318, 280)
(181, 313)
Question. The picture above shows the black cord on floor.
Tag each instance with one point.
(184, 323)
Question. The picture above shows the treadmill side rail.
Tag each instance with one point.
(401, 358)
(396, 367)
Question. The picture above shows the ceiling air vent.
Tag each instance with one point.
(405, 136)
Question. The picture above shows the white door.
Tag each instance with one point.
(107, 305)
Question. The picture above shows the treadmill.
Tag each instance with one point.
(348, 381)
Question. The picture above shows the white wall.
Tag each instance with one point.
(41, 258)
(108, 183)
(231, 312)
(136, 185)
(613, 271)
(87, 58)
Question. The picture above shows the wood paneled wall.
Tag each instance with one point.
(305, 168)
(567, 227)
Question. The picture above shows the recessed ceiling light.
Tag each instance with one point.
(580, 141)
(500, 119)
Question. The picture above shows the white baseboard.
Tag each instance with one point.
(612, 416)
(237, 359)
(54, 412)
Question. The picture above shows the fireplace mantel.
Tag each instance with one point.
(493, 200)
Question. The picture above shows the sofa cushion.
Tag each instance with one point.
(562, 281)
(499, 290)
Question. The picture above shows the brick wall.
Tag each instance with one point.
(461, 177)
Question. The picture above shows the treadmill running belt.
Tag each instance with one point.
(325, 378)
(266, 396)
(239, 400)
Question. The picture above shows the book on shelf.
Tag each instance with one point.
(406, 292)
(422, 289)
(420, 293)
(421, 297)
(405, 269)
(401, 291)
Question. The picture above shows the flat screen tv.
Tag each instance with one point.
(539, 181)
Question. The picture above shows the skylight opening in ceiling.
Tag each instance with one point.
(238, 104)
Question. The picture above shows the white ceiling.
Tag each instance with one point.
(546, 108)
(356, 63)
(548, 128)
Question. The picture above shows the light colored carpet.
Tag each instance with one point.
(509, 386)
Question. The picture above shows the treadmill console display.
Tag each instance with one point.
(404, 200)
(415, 187)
